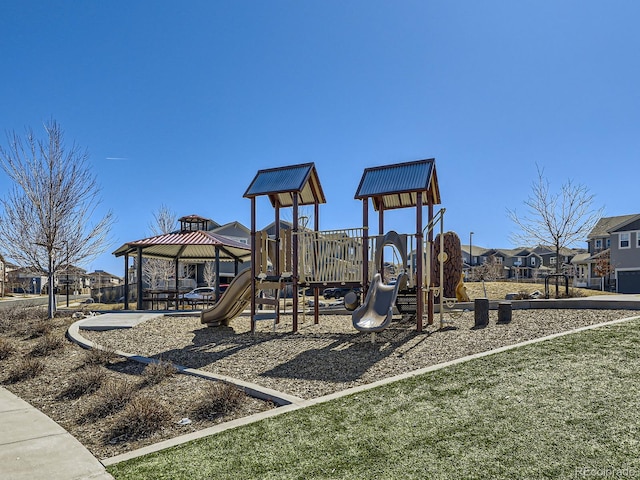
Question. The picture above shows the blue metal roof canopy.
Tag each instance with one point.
(397, 186)
(280, 184)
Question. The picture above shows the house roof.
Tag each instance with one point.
(281, 183)
(478, 251)
(234, 224)
(606, 224)
(580, 258)
(543, 250)
(397, 186)
(103, 274)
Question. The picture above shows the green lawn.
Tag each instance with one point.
(548, 410)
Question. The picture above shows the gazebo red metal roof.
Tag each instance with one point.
(187, 245)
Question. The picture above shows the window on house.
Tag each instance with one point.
(598, 244)
(608, 243)
(552, 260)
(637, 239)
(625, 241)
(532, 261)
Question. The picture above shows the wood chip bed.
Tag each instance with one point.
(332, 356)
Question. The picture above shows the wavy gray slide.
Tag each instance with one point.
(232, 302)
(375, 314)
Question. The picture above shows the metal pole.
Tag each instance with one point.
(470, 253)
(67, 244)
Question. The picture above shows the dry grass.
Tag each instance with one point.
(48, 344)
(85, 381)
(99, 356)
(156, 372)
(25, 368)
(67, 390)
(7, 348)
(498, 290)
(142, 417)
(217, 399)
(112, 397)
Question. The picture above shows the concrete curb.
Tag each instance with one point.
(252, 389)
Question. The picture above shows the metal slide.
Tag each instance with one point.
(233, 301)
(375, 314)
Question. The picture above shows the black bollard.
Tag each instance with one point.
(504, 312)
(481, 312)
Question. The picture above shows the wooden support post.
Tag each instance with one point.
(126, 281)
(254, 250)
(419, 264)
(294, 262)
(139, 277)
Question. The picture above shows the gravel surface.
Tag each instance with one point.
(332, 356)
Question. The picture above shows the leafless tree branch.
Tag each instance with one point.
(48, 215)
(555, 220)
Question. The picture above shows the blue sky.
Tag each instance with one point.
(181, 103)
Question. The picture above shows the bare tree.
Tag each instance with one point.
(157, 271)
(555, 220)
(48, 217)
(164, 221)
(209, 274)
(491, 269)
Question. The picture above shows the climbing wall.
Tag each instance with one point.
(452, 265)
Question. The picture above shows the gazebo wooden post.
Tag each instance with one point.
(126, 281)
(176, 275)
(276, 261)
(139, 276)
(217, 274)
(253, 264)
(430, 253)
(294, 263)
(420, 260)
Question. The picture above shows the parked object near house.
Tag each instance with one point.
(199, 294)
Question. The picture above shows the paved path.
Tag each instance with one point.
(32, 446)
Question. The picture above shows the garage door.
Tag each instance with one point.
(629, 281)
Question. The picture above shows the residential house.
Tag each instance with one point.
(25, 280)
(550, 258)
(102, 279)
(614, 255)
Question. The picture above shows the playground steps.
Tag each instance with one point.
(406, 303)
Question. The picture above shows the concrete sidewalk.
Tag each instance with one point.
(32, 446)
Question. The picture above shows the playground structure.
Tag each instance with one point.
(303, 257)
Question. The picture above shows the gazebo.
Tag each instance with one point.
(190, 244)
